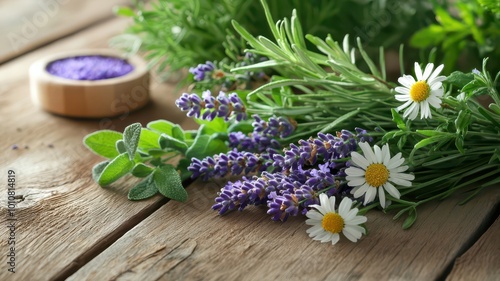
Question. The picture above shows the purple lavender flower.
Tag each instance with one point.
(190, 103)
(201, 71)
(276, 126)
(231, 163)
(329, 147)
(220, 106)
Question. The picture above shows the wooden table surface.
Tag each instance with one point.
(69, 228)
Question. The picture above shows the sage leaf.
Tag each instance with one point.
(97, 170)
(116, 169)
(148, 140)
(120, 146)
(103, 143)
(141, 170)
(131, 136)
(169, 183)
(167, 141)
(178, 133)
(143, 190)
(161, 126)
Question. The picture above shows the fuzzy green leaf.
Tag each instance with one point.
(167, 141)
(460, 79)
(103, 143)
(141, 170)
(149, 140)
(143, 190)
(120, 146)
(97, 170)
(178, 133)
(161, 126)
(116, 169)
(169, 183)
(131, 136)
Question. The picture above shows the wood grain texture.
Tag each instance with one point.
(27, 24)
(191, 242)
(64, 218)
(482, 260)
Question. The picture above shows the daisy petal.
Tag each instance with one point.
(345, 205)
(378, 154)
(405, 105)
(402, 90)
(406, 80)
(335, 238)
(354, 171)
(368, 152)
(359, 160)
(392, 190)
(381, 197)
(386, 154)
(356, 220)
(418, 72)
(427, 71)
(435, 73)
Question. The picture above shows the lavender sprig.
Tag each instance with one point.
(231, 163)
(297, 183)
(225, 106)
(264, 135)
(202, 71)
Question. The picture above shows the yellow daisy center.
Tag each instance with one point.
(420, 91)
(332, 222)
(376, 175)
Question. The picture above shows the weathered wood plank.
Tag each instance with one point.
(482, 260)
(63, 217)
(188, 241)
(27, 24)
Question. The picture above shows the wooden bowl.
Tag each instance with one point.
(85, 98)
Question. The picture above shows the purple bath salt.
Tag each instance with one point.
(89, 67)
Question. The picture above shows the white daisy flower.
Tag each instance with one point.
(376, 172)
(327, 224)
(418, 95)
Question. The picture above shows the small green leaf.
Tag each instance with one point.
(169, 183)
(495, 108)
(167, 141)
(178, 133)
(429, 36)
(427, 141)
(402, 142)
(103, 143)
(148, 140)
(123, 11)
(428, 133)
(161, 126)
(198, 148)
(120, 146)
(116, 169)
(131, 136)
(460, 79)
(396, 117)
(141, 170)
(412, 217)
(244, 127)
(143, 190)
(463, 121)
(459, 143)
(217, 125)
(97, 170)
